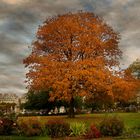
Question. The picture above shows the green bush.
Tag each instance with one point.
(6, 126)
(12, 116)
(131, 133)
(78, 129)
(57, 128)
(112, 126)
(30, 127)
(1, 113)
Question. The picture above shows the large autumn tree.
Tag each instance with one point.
(75, 54)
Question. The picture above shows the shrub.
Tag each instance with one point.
(1, 113)
(93, 132)
(131, 133)
(12, 116)
(78, 129)
(6, 126)
(137, 127)
(30, 127)
(112, 126)
(57, 128)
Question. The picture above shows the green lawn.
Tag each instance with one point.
(46, 138)
(131, 120)
(23, 138)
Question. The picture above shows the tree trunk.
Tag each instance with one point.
(92, 110)
(71, 113)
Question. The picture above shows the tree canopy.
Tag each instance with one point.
(38, 101)
(74, 54)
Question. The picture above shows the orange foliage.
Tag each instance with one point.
(73, 53)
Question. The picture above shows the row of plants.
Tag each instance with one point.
(109, 126)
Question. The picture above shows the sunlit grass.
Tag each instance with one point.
(130, 119)
(23, 138)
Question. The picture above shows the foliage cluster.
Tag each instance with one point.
(112, 126)
(57, 128)
(38, 101)
(7, 126)
(78, 129)
(31, 127)
(135, 68)
(93, 132)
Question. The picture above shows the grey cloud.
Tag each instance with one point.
(123, 16)
(18, 24)
(12, 77)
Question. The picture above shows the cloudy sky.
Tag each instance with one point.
(19, 20)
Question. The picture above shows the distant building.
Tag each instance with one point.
(12, 99)
(8, 98)
(23, 99)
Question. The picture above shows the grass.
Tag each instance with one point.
(131, 120)
(23, 138)
(46, 138)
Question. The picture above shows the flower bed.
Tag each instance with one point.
(57, 128)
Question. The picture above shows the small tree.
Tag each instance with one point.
(135, 68)
(74, 54)
(38, 101)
